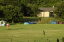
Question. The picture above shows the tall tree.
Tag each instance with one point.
(60, 10)
(12, 13)
(33, 9)
(12, 10)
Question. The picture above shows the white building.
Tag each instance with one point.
(45, 12)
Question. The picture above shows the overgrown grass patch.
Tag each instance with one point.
(47, 20)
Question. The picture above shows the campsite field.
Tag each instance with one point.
(32, 33)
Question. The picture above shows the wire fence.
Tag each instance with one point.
(39, 40)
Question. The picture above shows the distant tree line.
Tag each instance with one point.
(59, 10)
(14, 10)
(42, 3)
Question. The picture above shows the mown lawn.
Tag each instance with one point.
(32, 33)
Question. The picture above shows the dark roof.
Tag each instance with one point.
(47, 9)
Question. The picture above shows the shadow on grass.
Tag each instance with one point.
(15, 29)
(12, 23)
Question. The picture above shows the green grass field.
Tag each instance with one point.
(32, 33)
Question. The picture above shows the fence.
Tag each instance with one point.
(39, 40)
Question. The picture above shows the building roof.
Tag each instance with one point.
(47, 9)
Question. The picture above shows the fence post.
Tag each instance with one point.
(57, 40)
(63, 39)
(11, 39)
(34, 40)
(44, 32)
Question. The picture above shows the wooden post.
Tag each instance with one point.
(63, 39)
(11, 39)
(47, 40)
(44, 32)
(34, 40)
(57, 40)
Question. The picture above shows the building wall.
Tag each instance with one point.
(46, 14)
(43, 14)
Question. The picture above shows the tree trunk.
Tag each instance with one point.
(34, 14)
(12, 21)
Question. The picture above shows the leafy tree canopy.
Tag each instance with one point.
(12, 10)
(33, 9)
(12, 13)
(60, 10)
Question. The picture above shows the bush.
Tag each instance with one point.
(49, 19)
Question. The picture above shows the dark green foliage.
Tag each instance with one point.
(45, 3)
(48, 20)
(15, 9)
(60, 10)
(40, 3)
(12, 10)
(1, 14)
(33, 9)
(25, 1)
(12, 13)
